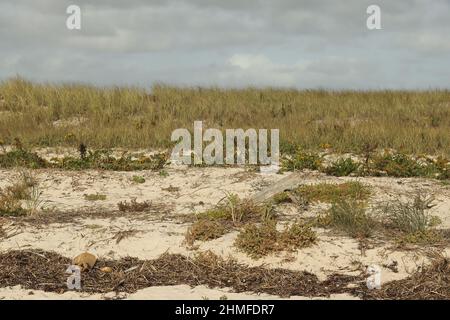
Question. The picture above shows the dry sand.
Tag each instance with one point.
(182, 192)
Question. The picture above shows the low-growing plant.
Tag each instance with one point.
(267, 212)
(95, 197)
(342, 167)
(302, 160)
(297, 236)
(138, 179)
(397, 165)
(34, 201)
(351, 217)
(22, 158)
(134, 205)
(237, 211)
(24, 190)
(411, 220)
(204, 230)
(98, 159)
(326, 192)
(281, 197)
(332, 192)
(103, 159)
(260, 240)
(10, 205)
(229, 213)
(163, 173)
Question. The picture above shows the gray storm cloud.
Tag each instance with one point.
(303, 44)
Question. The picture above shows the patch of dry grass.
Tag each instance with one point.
(88, 159)
(204, 230)
(404, 222)
(95, 197)
(410, 222)
(231, 212)
(21, 197)
(350, 217)
(414, 122)
(326, 192)
(134, 206)
(260, 240)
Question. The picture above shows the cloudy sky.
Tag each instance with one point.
(230, 43)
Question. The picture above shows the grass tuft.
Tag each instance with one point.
(133, 206)
(138, 179)
(350, 217)
(260, 240)
(204, 230)
(411, 220)
(326, 192)
(24, 191)
(95, 197)
(342, 167)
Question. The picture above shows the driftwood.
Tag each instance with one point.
(287, 183)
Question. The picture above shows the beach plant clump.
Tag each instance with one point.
(230, 213)
(325, 192)
(258, 240)
(97, 159)
(350, 217)
(410, 221)
(22, 197)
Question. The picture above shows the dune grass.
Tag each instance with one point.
(326, 192)
(412, 122)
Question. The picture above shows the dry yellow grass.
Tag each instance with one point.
(66, 115)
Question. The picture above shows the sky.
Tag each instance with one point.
(229, 43)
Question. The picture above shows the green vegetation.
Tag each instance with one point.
(390, 163)
(134, 205)
(22, 158)
(401, 165)
(302, 160)
(163, 173)
(412, 122)
(98, 159)
(138, 179)
(205, 230)
(230, 213)
(237, 211)
(342, 167)
(350, 217)
(326, 192)
(411, 221)
(260, 240)
(95, 197)
(405, 222)
(22, 197)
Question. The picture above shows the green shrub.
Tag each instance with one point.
(327, 192)
(302, 160)
(411, 220)
(260, 240)
(350, 217)
(342, 167)
(138, 179)
(204, 230)
(94, 197)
